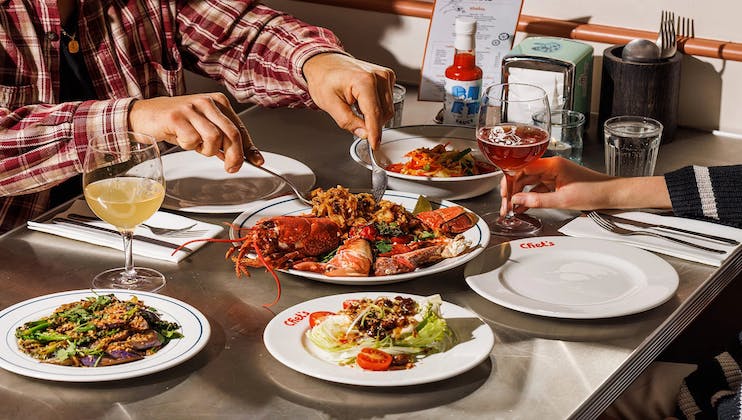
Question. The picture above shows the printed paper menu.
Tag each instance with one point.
(496, 23)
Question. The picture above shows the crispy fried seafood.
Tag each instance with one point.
(350, 210)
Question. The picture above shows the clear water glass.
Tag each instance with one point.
(631, 145)
(398, 95)
(567, 128)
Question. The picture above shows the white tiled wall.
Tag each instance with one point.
(711, 89)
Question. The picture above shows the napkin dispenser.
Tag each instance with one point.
(562, 67)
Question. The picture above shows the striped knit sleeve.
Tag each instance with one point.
(713, 389)
(707, 192)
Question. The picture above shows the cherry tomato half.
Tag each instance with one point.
(317, 317)
(369, 233)
(373, 359)
(405, 239)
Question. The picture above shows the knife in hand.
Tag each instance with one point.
(147, 239)
(657, 226)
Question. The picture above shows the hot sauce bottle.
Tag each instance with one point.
(463, 82)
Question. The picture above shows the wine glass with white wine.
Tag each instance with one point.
(124, 186)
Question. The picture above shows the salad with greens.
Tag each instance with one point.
(382, 333)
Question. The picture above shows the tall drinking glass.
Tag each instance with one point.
(124, 185)
(511, 138)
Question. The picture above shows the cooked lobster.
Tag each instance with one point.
(281, 241)
(406, 262)
(297, 242)
(448, 221)
(354, 259)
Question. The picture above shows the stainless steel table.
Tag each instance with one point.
(539, 368)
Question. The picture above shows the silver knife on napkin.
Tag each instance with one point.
(672, 228)
(147, 239)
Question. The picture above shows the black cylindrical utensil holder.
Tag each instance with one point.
(645, 89)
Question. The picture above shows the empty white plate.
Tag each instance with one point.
(565, 277)
(199, 184)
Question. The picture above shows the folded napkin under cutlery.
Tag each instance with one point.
(145, 243)
(586, 228)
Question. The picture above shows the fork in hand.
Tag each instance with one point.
(614, 228)
(379, 178)
(172, 232)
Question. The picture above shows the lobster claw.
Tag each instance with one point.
(448, 220)
(352, 259)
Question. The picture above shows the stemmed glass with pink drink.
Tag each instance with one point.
(511, 138)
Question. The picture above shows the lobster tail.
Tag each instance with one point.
(448, 220)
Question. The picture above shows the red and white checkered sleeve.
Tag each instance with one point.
(255, 51)
(42, 145)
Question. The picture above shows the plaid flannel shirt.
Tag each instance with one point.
(134, 49)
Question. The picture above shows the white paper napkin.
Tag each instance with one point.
(586, 228)
(159, 219)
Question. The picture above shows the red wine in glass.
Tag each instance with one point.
(512, 146)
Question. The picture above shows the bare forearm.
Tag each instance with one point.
(642, 192)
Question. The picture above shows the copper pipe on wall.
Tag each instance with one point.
(554, 27)
(415, 8)
(615, 35)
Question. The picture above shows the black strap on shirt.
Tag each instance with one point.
(74, 81)
(74, 85)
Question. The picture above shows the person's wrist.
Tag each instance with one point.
(638, 192)
(315, 65)
(131, 115)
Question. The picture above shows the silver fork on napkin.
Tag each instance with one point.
(612, 227)
(185, 231)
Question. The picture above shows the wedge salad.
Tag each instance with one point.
(381, 333)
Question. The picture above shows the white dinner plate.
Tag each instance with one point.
(199, 184)
(578, 278)
(478, 236)
(285, 338)
(194, 327)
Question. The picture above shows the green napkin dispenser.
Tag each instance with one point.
(563, 67)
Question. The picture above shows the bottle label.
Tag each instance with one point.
(461, 102)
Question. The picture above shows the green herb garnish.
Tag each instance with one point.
(461, 154)
(383, 246)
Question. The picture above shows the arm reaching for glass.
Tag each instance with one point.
(699, 192)
(560, 183)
